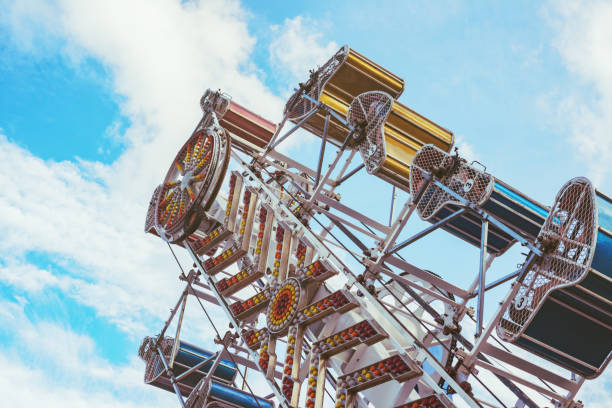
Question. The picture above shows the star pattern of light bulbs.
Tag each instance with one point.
(181, 187)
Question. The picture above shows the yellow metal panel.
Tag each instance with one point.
(401, 113)
(405, 132)
(394, 135)
(338, 86)
(376, 71)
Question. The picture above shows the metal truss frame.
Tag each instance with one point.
(227, 342)
(383, 258)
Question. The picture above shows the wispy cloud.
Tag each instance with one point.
(88, 216)
(51, 363)
(583, 35)
(299, 46)
(161, 55)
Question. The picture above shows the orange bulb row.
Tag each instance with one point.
(280, 234)
(241, 307)
(313, 373)
(202, 243)
(225, 284)
(264, 358)
(230, 197)
(255, 338)
(337, 301)
(428, 402)
(313, 270)
(300, 254)
(294, 206)
(340, 394)
(211, 263)
(287, 381)
(246, 201)
(197, 153)
(362, 332)
(263, 215)
(287, 387)
(394, 367)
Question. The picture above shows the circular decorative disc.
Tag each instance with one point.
(283, 307)
(192, 183)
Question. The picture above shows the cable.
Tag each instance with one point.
(439, 341)
(216, 331)
(424, 348)
(467, 343)
(359, 261)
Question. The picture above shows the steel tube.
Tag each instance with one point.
(322, 152)
(350, 174)
(177, 391)
(482, 270)
(469, 360)
(195, 367)
(499, 281)
(290, 131)
(425, 232)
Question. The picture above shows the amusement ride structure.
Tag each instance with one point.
(319, 299)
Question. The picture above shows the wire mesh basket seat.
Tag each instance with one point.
(391, 134)
(335, 84)
(563, 308)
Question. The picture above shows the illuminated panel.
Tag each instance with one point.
(232, 206)
(281, 252)
(300, 253)
(364, 332)
(249, 202)
(211, 241)
(266, 219)
(319, 270)
(338, 302)
(396, 368)
(242, 310)
(255, 338)
(316, 381)
(234, 283)
(289, 386)
(433, 401)
(226, 258)
(264, 358)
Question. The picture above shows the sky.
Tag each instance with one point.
(96, 98)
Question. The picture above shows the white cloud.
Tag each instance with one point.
(27, 277)
(298, 48)
(583, 36)
(466, 149)
(161, 55)
(61, 368)
(87, 216)
(597, 393)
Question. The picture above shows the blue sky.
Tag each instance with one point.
(96, 97)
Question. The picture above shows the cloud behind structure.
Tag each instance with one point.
(583, 37)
